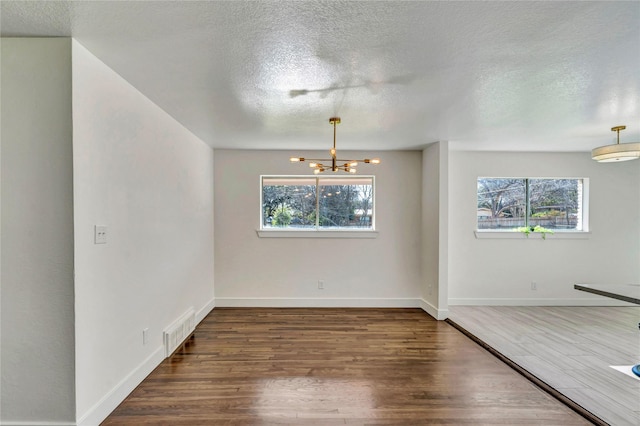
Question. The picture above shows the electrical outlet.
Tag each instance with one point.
(320, 284)
(534, 285)
(100, 234)
(145, 336)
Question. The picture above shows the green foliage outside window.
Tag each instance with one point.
(282, 217)
(530, 205)
(317, 203)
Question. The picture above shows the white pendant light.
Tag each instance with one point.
(618, 151)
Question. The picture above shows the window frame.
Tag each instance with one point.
(317, 231)
(557, 233)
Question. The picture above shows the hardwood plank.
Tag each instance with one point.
(615, 413)
(335, 366)
(570, 348)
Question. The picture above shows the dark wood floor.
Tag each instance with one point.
(570, 348)
(335, 366)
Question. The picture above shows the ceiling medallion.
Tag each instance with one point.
(618, 151)
(334, 164)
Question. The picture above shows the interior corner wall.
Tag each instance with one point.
(443, 241)
(37, 359)
(430, 227)
(500, 271)
(435, 230)
(146, 178)
(253, 271)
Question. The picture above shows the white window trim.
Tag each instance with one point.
(488, 234)
(316, 232)
(585, 233)
(312, 233)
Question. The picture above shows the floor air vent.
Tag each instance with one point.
(179, 331)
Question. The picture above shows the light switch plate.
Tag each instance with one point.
(100, 234)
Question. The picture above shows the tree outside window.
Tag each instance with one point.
(317, 203)
(507, 203)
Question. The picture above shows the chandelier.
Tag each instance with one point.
(334, 163)
(618, 151)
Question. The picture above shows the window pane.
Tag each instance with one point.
(555, 203)
(344, 205)
(291, 202)
(288, 206)
(501, 203)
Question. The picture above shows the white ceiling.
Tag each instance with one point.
(520, 75)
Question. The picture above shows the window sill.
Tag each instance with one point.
(276, 233)
(513, 235)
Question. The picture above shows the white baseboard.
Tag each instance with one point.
(202, 313)
(536, 302)
(112, 399)
(34, 423)
(439, 314)
(286, 302)
(96, 414)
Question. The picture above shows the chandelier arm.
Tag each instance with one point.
(349, 165)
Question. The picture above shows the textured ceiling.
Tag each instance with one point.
(525, 76)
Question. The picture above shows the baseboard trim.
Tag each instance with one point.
(286, 302)
(439, 314)
(101, 410)
(206, 309)
(536, 302)
(34, 423)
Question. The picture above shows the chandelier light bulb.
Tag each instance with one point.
(320, 165)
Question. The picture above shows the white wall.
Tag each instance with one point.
(500, 271)
(37, 232)
(150, 181)
(435, 238)
(253, 271)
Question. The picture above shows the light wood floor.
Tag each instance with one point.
(335, 366)
(570, 348)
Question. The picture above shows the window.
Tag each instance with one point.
(508, 203)
(317, 203)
